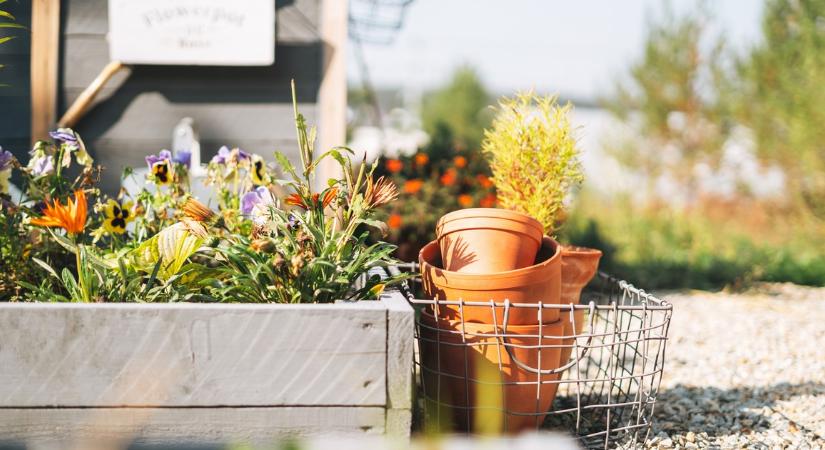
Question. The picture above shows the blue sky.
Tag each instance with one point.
(573, 47)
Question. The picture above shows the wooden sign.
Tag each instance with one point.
(193, 32)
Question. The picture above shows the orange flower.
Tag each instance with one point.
(484, 181)
(449, 177)
(488, 201)
(296, 200)
(329, 196)
(394, 165)
(421, 159)
(413, 186)
(465, 200)
(71, 217)
(394, 221)
(460, 162)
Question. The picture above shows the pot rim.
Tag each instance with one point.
(578, 250)
(488, 213)
(464, 278)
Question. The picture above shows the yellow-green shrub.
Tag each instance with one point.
(533, 156)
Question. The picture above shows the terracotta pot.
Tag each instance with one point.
(578, 266)
(538, 283)
(488, 240)
(470, 382)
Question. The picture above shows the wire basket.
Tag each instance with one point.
(603, 362)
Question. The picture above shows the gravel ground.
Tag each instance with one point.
(744, 370)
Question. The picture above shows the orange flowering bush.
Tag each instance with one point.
(434, 181)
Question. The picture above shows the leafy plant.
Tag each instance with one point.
(533, 156)
(317, 250)
(161, 244)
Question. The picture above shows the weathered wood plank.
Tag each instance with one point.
(45, 52)
(119, 427)
(192, 355)
(227, 122)
(400, 331)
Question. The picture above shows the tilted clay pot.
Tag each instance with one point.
(578, 266)
(540, 282)
(470, 378)
(488, 240)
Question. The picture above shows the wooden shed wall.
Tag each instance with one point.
(15, 112)
(135, 114)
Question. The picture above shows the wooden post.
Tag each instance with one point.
(45, 49)
(332, 94)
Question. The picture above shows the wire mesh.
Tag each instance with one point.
(595, 371)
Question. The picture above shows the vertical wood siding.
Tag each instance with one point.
(249, 107)
(15, 112)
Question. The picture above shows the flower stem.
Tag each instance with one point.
(81, 277)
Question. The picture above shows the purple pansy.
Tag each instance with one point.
(294, 221)
(164, 155)
(41, 165)
(6, 159)
(184, 158)
(64, 135)
(253, 198)
(255, 205)
(221, 157)
(225, 155)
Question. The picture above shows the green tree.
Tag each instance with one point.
(782, 100)
(672, 102)
(461, 107)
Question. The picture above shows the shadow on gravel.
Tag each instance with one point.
(721, 412)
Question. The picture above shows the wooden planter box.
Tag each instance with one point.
(184, 373)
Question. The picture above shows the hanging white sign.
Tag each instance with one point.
(192, 32)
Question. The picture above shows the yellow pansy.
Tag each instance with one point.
(117, 216)
(162, 170)
(258, 171)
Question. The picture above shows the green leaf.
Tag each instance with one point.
(286, 165)
(173, 245)
(71, 285)
(48, 268)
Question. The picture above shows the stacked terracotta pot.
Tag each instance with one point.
(578, 267)
(482, 255)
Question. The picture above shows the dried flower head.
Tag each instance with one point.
(196, 210)
(263, 245)
(380, 192)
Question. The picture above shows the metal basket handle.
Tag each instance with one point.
(540, 371)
